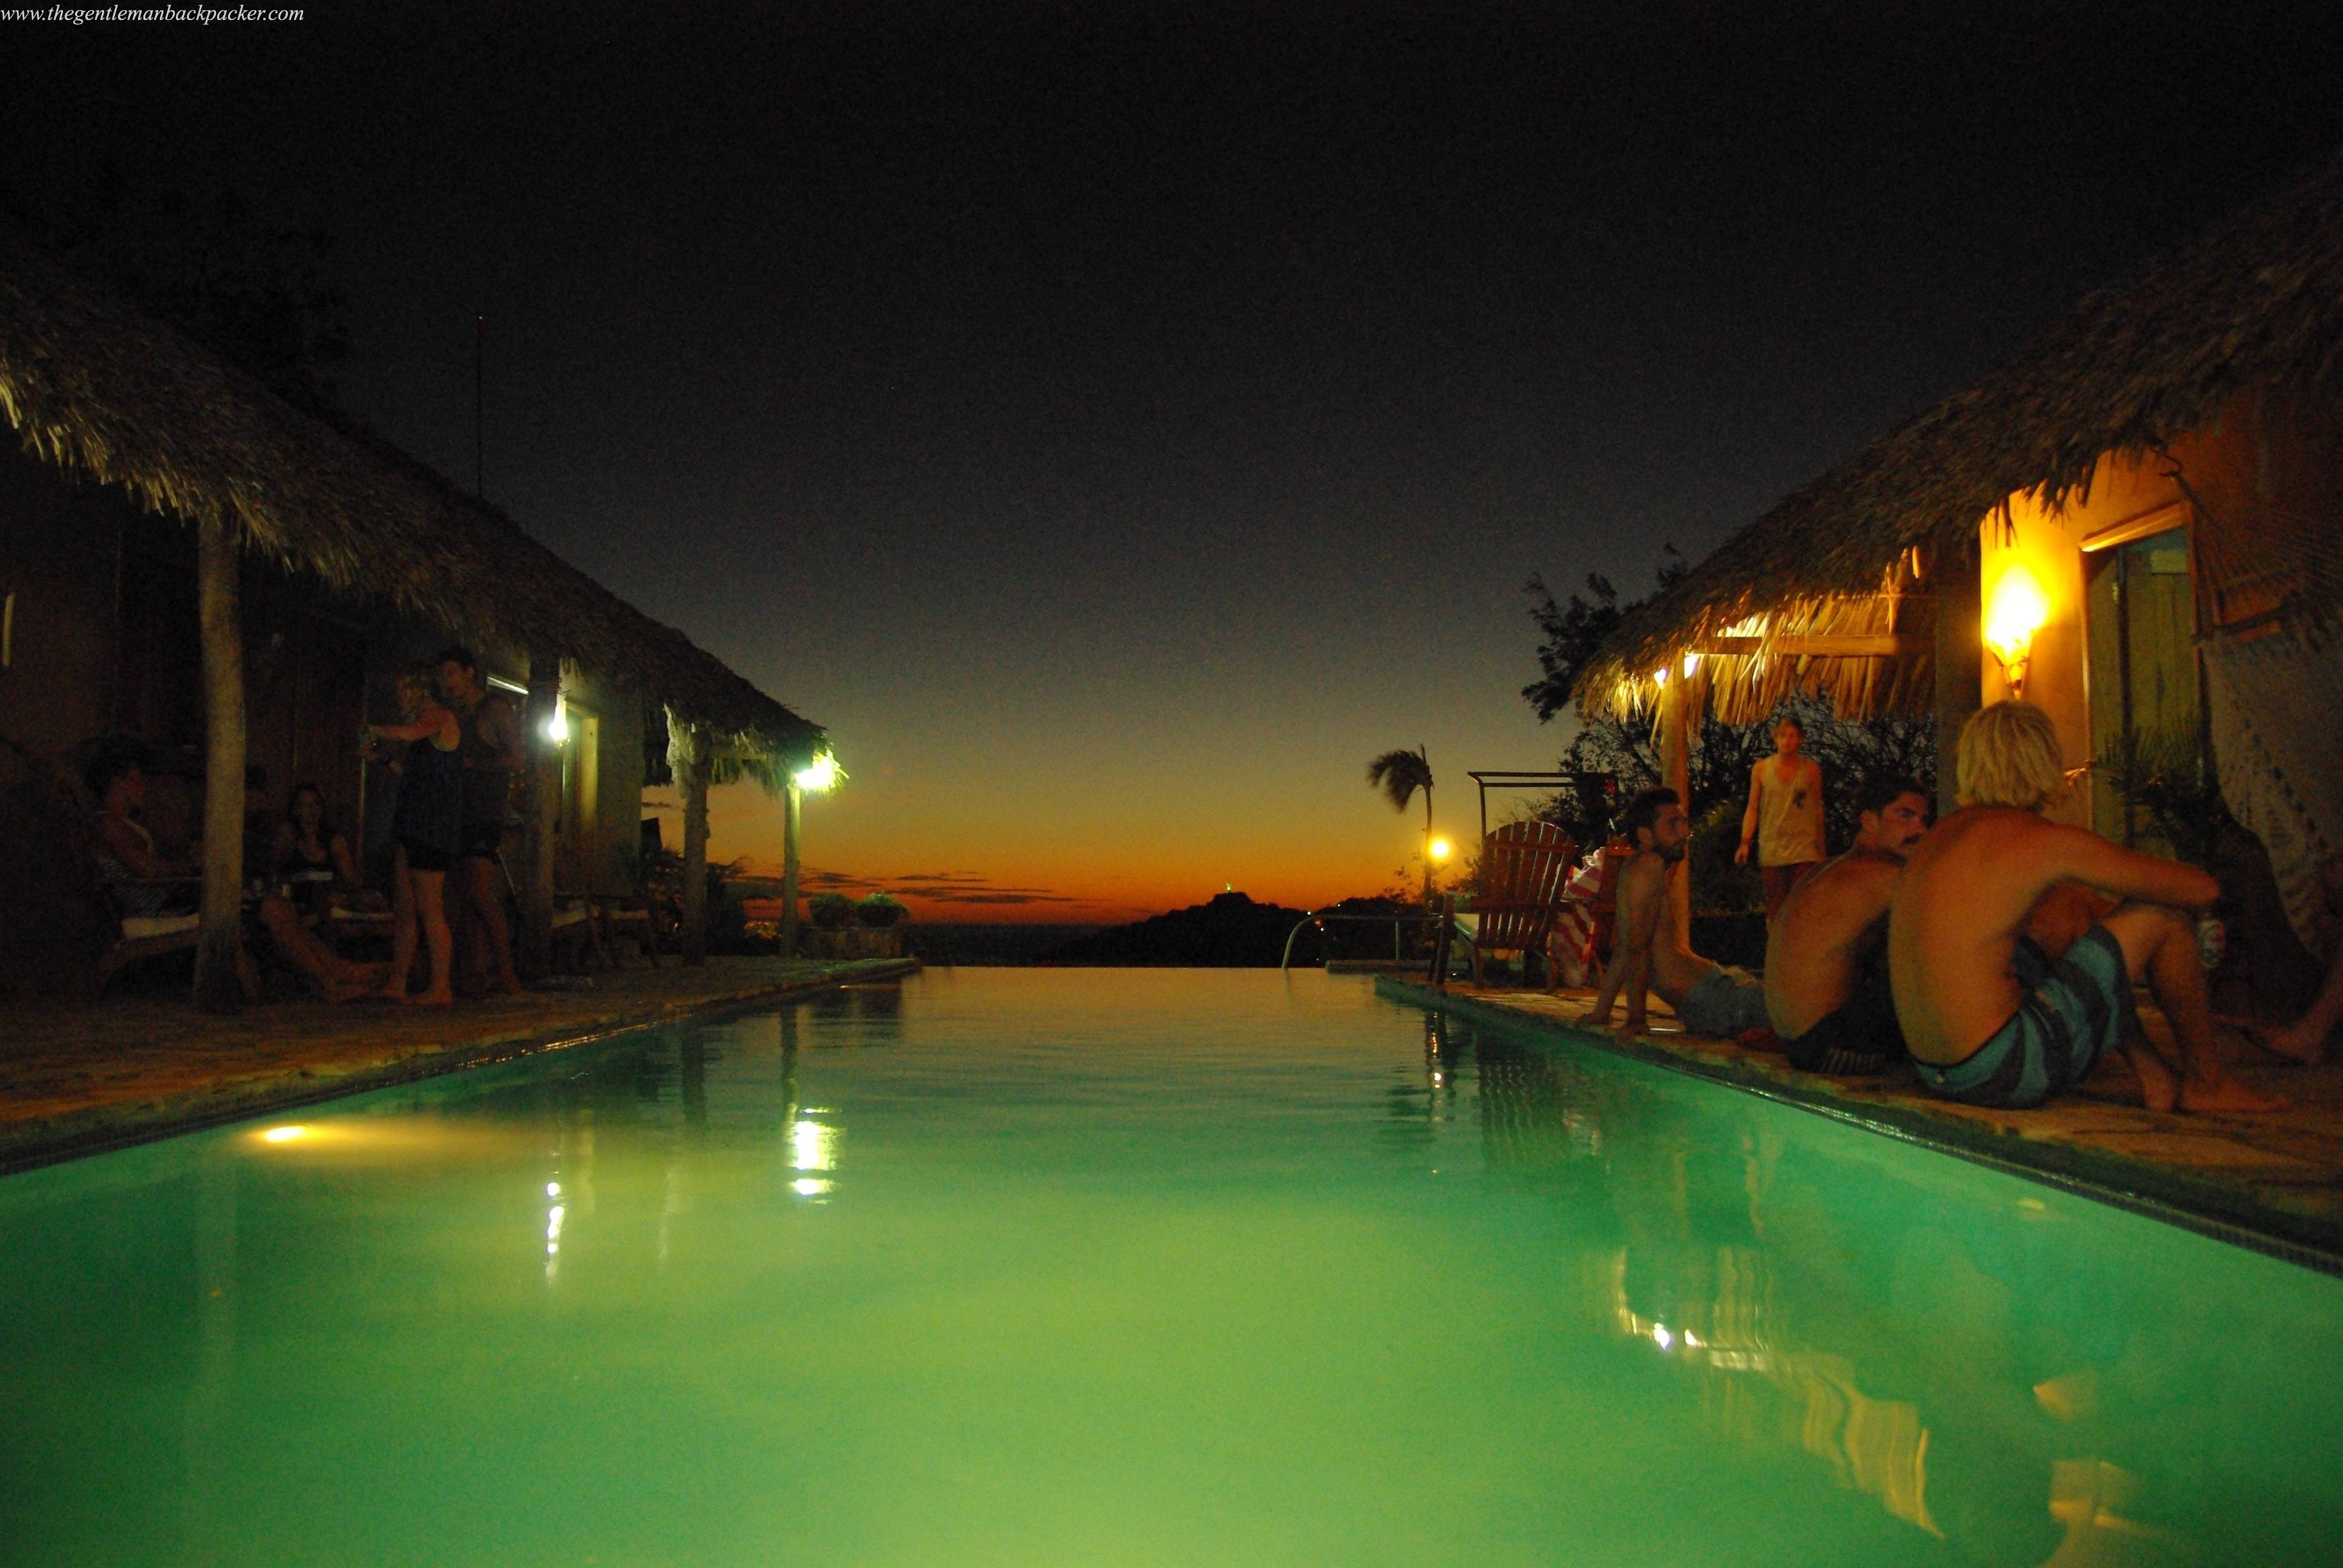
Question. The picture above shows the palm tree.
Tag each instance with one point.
(1399, 775)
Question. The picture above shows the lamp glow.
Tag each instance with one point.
(557, 728)
(2013, 614)
(1691, 663)
(1442, 848)
(284, 1135)
(819, 775)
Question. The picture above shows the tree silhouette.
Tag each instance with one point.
(1399, 775)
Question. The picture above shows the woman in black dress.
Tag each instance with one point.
(429, 825)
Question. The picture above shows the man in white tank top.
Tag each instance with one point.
(1785, 818)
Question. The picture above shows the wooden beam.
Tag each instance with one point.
(793, 818)
(219, 939)
(688, 758)
(541, 811)
(1960, 660)
(1878, 645)
(1675, 773)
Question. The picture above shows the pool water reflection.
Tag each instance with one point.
(1129, 1267)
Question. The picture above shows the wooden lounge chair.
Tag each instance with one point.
(1525, 871)
(145, 937)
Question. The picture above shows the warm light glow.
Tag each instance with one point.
(284, 1135)
(1661, 1337)
(1442, 848)
(557, 728)
(812, 1146)
(1660, 676)
(2014, 613)
(810, 1187)
(1691, 663)
(819, 775)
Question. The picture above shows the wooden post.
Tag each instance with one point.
(1959, 659)
(541, 811)
(792, 812)
(1675, 773)
(688, 758)
(220, 941)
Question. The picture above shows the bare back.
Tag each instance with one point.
(1967, 891)
(1821, 936)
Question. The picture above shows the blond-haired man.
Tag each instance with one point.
(2010, 981)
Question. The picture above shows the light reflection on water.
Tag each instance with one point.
(1129, 1268)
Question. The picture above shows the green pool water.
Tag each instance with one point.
(1129, 1267)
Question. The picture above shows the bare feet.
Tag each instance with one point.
(2291, 1041)
(2227, 1093)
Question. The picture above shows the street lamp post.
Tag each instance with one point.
(821, 776)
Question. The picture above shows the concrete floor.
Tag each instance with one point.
(74, 1079)
(2273, 1180)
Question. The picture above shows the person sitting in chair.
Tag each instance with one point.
(1826, 986)
(144, 881)
(1647, 955)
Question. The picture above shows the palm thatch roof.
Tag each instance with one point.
(94, 387)
(2256, 301)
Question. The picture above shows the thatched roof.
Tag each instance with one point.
(94, 387)
(2256, 301)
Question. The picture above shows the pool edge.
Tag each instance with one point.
(2200, 1204)
(33, 1143)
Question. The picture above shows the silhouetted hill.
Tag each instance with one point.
(1230, 932)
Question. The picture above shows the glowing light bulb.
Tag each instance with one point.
(819, 775)
(2013, 614)
(557, 728)
(1442, 848)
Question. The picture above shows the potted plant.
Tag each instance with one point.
(879, 912)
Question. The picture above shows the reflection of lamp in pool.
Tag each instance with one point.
(284, 1135)
(2013, 614)
(812, 1146)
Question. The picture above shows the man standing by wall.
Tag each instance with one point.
(493, 752)
(1784, 822)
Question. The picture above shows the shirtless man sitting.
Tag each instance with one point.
(1647, 954)
(1826, 986)
(2009, 994)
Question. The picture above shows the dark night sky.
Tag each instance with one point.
(1117, 423)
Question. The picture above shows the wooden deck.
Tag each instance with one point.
(76, 1079)
(2272, 1181)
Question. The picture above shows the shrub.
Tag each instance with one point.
(879, 911)
(829, 911)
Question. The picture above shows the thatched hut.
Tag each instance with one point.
(169, 513)
(2137, 522)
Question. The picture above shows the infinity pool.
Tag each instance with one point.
(1129, 1268)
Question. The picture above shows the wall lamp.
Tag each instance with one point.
(2014, 613)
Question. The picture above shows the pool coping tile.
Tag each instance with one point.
(2271, 1184)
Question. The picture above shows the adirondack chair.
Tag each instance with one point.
(1524, 870)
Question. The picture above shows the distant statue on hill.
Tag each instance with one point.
(1399, 775)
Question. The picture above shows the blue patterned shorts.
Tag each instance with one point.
(2077, 1007)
